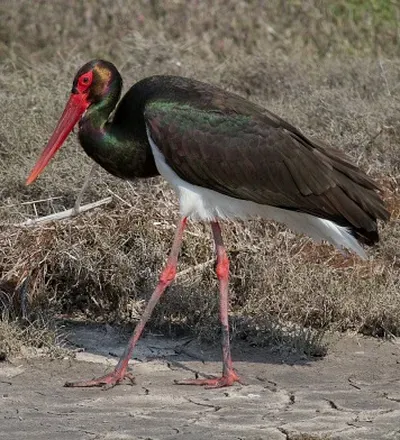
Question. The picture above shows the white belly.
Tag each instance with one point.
(200, 203)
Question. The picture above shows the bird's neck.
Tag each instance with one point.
(121, 152)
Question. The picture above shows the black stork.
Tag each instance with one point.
(226, 157)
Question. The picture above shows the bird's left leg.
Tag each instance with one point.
(167, 276)
(229, 375)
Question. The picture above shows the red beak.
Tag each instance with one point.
(76, 106)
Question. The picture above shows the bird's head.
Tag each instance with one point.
(93, 83)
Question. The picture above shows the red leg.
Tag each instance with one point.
(229, 376)
(167, 276)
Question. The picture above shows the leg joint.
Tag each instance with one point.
(222, 268)
(168, 275)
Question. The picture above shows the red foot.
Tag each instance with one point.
(108, 381)
(218, 382)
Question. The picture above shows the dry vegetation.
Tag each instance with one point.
(334, 71)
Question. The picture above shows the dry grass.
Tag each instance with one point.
(35, 338)
(332, 71)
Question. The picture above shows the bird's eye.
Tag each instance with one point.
(86, 79)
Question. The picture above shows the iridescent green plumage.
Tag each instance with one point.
(120, 152)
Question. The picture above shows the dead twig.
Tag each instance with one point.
(64, 214)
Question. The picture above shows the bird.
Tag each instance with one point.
(226, 157)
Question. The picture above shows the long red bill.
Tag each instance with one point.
(74, 109)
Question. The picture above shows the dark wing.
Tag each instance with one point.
(263, 159)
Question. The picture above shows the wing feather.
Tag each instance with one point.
(263, 159)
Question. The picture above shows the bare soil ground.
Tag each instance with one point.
(351, 394)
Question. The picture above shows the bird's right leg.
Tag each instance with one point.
(167, 276)
(229, 375)
(78, 201)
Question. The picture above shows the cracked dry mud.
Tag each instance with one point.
(352, 393)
